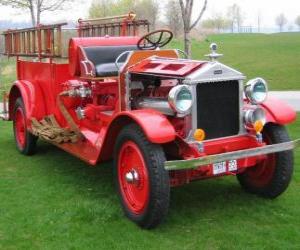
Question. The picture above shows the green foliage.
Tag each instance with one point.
(174, 17)
(7, 74)
(54, 201)
(145, 9)
(218, 23)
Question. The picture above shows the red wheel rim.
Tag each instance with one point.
(261, 175)
(133, 177)
(20, 127)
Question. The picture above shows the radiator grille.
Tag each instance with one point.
(218, 111)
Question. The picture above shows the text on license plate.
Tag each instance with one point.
(225, 166)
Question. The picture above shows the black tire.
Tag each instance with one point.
(283, 165)
(30, 140)
(159, 186)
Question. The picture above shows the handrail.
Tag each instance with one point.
(129, 16)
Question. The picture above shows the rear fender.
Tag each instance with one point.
(279, 112)
(155, 126)
(32, 99)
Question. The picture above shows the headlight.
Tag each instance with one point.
(181, 99)
(256, 90)
(251, 116)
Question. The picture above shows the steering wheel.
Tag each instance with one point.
(155, 39)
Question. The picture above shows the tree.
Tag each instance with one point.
(186, 13)
(36, 7)
(281, 21)
(259, 17)
(218, 22)
(145, 9)
(235, 16)
(173, 14)
(297, 22)
(101, 8)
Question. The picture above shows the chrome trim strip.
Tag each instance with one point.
(241, 100)
(217, 79)
(242, 129)
(210, 159)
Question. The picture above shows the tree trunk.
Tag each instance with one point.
(32, 17)
(31, 8)
(187, 44)
(38, 19)
(38, 12)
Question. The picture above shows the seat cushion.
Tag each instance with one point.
(104, 57)
(107, 69)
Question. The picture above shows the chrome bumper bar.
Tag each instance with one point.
(235, 155)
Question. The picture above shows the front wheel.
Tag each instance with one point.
(271, 177)
(142, 182)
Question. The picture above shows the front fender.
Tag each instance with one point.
(279, 112)
(32, 99)
(156, 126)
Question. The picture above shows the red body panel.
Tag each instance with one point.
(163, 66)
(157, 128)
(99, 144)
(279, 112)
(74, 65)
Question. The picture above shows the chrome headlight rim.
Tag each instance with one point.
(249, 90)
(252, 115)
(172, 99)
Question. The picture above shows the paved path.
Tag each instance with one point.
(291, 97)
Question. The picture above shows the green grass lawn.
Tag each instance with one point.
(54, 201)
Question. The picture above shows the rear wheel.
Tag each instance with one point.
(25, 141)
(142, 182)
(271, 177)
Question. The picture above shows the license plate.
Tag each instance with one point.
(223, 167)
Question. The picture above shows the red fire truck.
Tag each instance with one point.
(165, 120)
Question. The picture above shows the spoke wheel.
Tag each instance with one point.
(25, 141)
(142, 182)
(272, 176)
(133, 177)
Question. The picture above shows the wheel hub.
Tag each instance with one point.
(132, 177)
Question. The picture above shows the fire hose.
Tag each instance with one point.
(49, 129)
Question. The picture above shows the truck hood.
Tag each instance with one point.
(191, 71)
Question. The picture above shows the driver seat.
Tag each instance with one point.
(102, 59)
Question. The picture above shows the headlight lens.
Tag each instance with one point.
(181, 99)
(256, 90)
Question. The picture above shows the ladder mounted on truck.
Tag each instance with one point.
(124, 25)
(43, 41)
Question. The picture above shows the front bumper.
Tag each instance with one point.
(235, 155)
